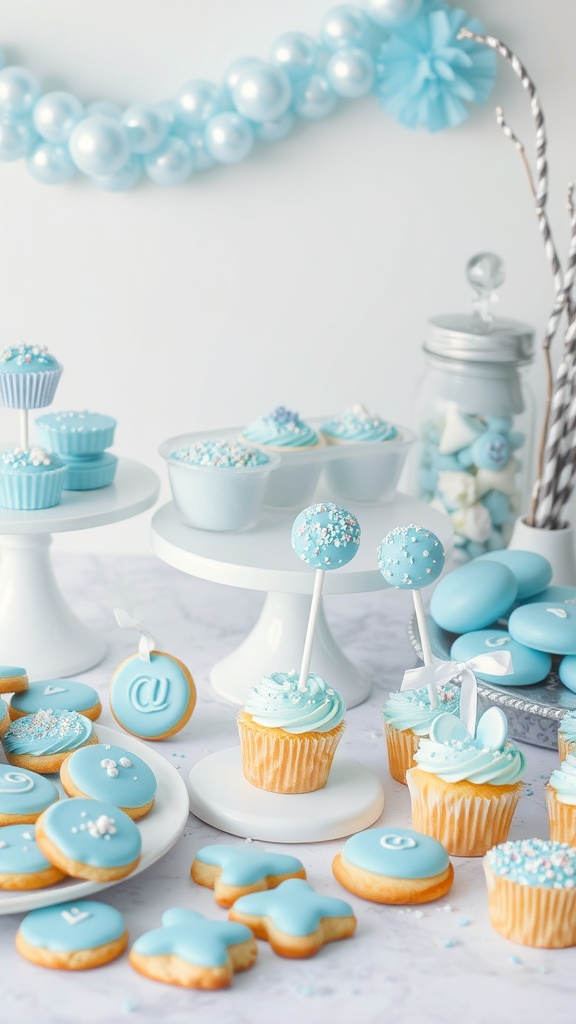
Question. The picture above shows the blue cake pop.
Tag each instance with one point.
(410, 557)
(325, 536)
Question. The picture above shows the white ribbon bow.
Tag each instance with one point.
(497, 664)
(146, 641)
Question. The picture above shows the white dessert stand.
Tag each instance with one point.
(351, 800)
(263, 559)
(38, 629)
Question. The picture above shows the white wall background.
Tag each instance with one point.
(303, 276)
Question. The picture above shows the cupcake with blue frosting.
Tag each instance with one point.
(289, 734)
(567, 735)
(408, 715)
(283, 432)
(357, 425)
(370, 470)
(531, 892)
(30, 479)
(465, 788)
(29, 376)
(76, 433)
(561, 801)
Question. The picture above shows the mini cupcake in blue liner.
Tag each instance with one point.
(30, 479)
(29, 375)
(76, 433)
(89, 473)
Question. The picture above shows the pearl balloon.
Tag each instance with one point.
(55, 115)
(344, 26)
(314, 98)
(203, 159)
(17, 138)
(172, 164)
(262, 93)
(146, 127)
(351, 73)
(275, 131)
(295, 53)
(197, 102)
(104, 107)
(229, 138)
(19, 90)
(124, 179)
(98, 145)
(392, 12)
(51, 164)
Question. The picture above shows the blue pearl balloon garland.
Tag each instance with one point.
(405, 51)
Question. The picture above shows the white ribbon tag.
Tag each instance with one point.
(497, 664)
(146, 642)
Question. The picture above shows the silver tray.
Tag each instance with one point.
(533, 712)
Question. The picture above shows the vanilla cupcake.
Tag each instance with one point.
(465, 789)
(531, 892)
(567, 735)
(283, 432)
(561, 801)
(371, 471)
(288, 737)
(408, 715)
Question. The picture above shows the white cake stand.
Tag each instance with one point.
(38, 629)
(263, 559)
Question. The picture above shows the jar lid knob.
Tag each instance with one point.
(485, 272)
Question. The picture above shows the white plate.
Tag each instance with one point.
(160, 829)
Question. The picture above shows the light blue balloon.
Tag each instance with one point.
(229, 137)
(235, 70)
(146, 127)
(51, 164)
(99, 146)
(55, 115)
(172, 164)
(105, 107)
(197, 102)
(351, 72)
(124, 179)
(17, 138)
(392, 13)
(19, 90)
(314, 97)
(262, 93)
(344, 25)
(275, 131)
(296, 53)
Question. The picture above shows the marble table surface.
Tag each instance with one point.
(435, 964)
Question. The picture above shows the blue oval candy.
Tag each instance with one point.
(528, 666)
(564, 595)
(567, 672)
(473, 596)
(545, 626)
(533, 572)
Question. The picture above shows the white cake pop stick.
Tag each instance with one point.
(24, 428)
(411, 557)
(324, 536)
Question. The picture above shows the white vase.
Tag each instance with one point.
(558, 546)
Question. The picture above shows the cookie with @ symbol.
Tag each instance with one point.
(152, 697)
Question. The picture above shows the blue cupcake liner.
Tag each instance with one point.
(31, 491)
(28, 390)
(91, 473)
(76, 443)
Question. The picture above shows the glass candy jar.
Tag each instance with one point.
(474, 418)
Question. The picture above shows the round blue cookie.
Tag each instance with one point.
(528, 666)
(89, 839)
(473, 596)
(152, 699)
(45, 738)
(325, 536)
(410, 557)
(72, 936)
(22, 863)
(58, 694)
(106, 772)
(23, 795)
(533, 572)
(394, 865)
(545, 627)
(567, 672)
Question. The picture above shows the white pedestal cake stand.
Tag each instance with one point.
(38, 629)
(263, 559)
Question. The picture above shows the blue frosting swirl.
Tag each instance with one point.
(47, 732)
(466, 760)
(281, 429)
(567, 727)
(412, 709)
(276, 702)
(357, 424)
(563, 781)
